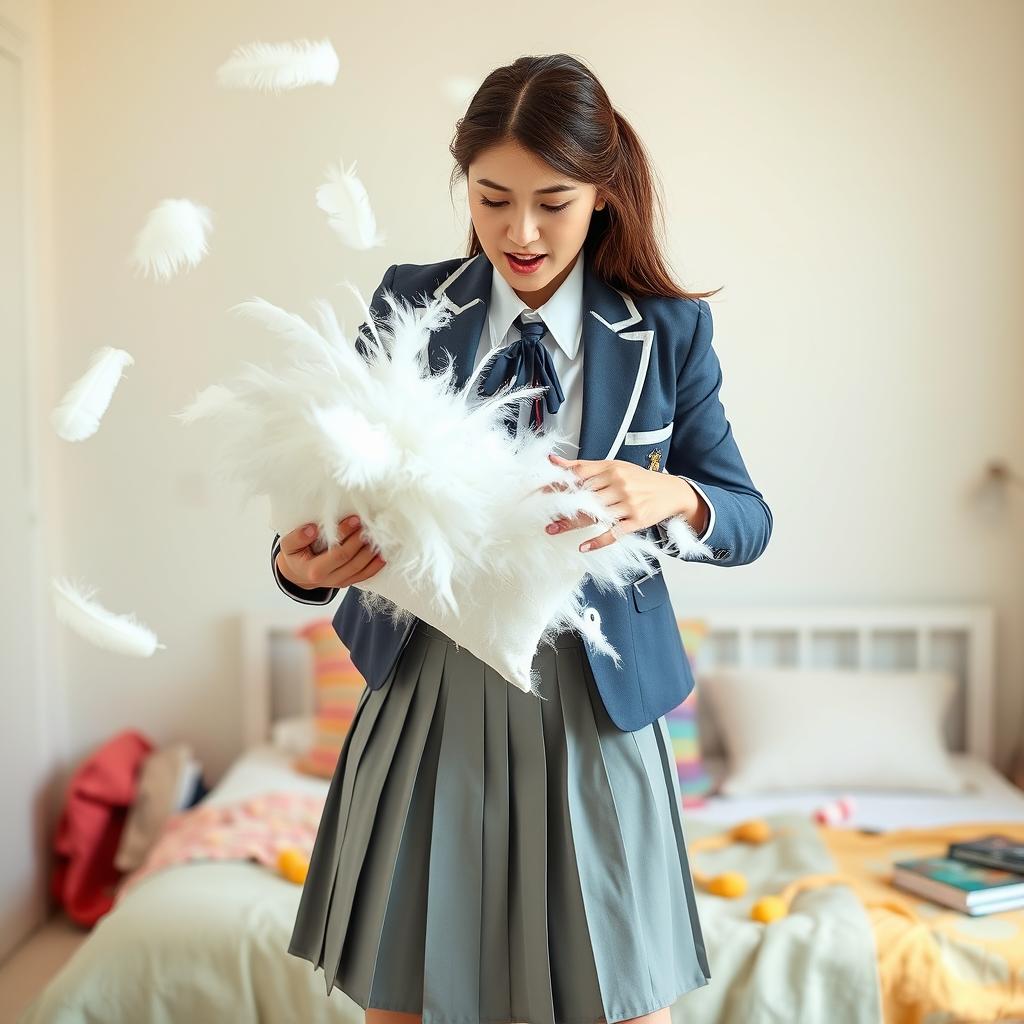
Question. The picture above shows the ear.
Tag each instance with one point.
(600, 204)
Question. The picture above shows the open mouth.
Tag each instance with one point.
(525, 264)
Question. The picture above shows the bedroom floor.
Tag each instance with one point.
(34, 963)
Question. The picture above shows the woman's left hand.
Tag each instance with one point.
(638, 497)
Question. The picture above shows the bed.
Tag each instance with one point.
(205, 941)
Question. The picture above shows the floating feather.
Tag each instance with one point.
(272, 67)
(347, 205)
(174, 235)
(122, 634)
(79, 412)
(456, 506)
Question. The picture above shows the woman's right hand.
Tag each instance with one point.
(352, 561)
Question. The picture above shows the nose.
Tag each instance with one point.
(522, 231)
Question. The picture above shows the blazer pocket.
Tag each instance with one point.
(649, 591)
(649, 436)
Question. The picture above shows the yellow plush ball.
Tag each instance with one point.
(293, 865)
(756, 830)
(731, 884)
(768, 909)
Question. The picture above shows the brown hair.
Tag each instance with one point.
(556, 108)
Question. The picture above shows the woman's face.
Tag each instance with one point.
(521, 205)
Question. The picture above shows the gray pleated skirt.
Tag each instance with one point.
(487, 855)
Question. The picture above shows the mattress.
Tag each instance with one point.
(988, 795)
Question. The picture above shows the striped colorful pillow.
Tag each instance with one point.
(337, 686)
(694, 780)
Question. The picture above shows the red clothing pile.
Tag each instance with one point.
(99, 796)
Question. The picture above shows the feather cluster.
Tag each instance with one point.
(78, 414)
(174, 236)
(454, 503)
(273, 67)
(76, 608)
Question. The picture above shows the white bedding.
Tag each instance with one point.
(263, 769)
(990, 796)
(205, 942)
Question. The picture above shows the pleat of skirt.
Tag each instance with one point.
(488, 855)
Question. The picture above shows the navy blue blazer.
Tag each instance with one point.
(648, 366)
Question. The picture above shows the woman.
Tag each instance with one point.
(484, 855)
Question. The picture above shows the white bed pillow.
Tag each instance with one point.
(293, 734)
(788, 729)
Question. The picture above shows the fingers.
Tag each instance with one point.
(602, 540)
(597, 542)
(627, 524)
(561, 524)
(621, 527)
(594, 474)
(362, 552)
(323, 566)
(583, 468)
(295, 540)
(352, 560)
(373, 566)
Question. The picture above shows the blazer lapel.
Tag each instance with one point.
(616, 353)
(616, 349)
(466, 292)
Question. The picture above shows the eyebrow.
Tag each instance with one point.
(537, 192)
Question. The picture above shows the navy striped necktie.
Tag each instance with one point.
(528, 363)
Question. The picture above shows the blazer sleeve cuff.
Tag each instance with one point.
(710, 504)
(678, 536)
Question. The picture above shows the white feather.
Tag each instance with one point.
(456, 506)
(173, 236)
(78, 414)
(345, 201)
(210, 401)
(369, 323)
(291, 327)
(683, 539)
(272, 67)
(122, 634)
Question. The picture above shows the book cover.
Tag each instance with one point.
(992, 850)
(967, 878)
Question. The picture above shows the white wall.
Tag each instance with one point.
(850, 173)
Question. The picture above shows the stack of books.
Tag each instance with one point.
(983, 876)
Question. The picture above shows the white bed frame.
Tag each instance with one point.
(275, 668)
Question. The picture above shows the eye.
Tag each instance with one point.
(551, 209)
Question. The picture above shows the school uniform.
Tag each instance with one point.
(485, 855)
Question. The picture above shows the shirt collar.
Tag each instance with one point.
(562, 313)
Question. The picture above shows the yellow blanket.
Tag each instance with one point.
(933, 960)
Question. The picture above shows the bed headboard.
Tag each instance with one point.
(960, 638)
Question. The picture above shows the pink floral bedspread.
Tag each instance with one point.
(255, 829)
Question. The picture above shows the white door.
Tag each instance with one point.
(23, 750)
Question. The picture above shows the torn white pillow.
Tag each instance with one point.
(454, 503)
